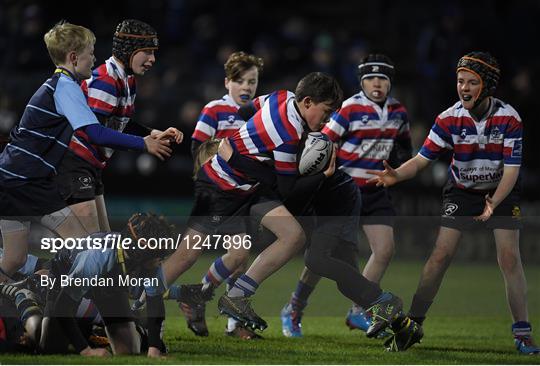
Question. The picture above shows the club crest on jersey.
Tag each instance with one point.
(231, 118)
(365, 119)
(495, 137)
(463, 134)
(450, 208)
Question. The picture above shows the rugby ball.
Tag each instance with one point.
(315, 154)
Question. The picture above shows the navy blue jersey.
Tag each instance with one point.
(102, 263)
(41, 138)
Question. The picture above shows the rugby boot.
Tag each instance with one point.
(192, 303)
(525, 345)
(407, 332)
(291, 321)
(240, 309)
(358, 319)
(383, 312)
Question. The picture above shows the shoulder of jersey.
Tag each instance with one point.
(506, 109)
(454, 111)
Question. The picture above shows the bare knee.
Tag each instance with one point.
(293, 236)
(508, 261)
(384, 251)
(441, 257)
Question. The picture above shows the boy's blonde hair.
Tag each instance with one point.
(205, 152)
(66, 37)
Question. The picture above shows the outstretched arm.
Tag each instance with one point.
(389, 176)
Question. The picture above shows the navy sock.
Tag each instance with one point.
(301, 295)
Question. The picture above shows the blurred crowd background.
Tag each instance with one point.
(424, 39)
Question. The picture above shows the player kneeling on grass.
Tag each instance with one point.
(111, 299)
(485, 135)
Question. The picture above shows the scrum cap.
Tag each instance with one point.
(130, 37)
(486, 68)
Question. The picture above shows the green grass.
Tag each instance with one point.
(469, 323)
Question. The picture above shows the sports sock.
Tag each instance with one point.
(217, 273)
(299, 297)
(357, 308)
(244, 286)
(419, 308)
(174, 292)
(521, 328)
(230, 282)
(231, 324)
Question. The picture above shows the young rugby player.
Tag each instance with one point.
(368, 127)
(110, 92)
(485, 135)
(38, 144)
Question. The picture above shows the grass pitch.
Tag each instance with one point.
(469, 323)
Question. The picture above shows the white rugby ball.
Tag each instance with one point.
(316, 153)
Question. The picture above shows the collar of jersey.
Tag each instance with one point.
(230, 100)
(364, 96)
(118, 67)
(69, 74)
(121, 258)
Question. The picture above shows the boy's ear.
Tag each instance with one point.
(72, 57)
(225, 82)
(307, 102)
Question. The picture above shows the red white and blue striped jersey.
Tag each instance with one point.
(271, 135)
(481, 149)
(367, 133)
(220, 119)
(110, 93)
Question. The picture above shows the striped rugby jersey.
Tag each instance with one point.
(272, 135)
(367, 133)
(110, 92)
(39, 141)
(481, 149)
(220, 119)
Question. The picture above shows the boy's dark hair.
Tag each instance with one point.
(320, 87)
